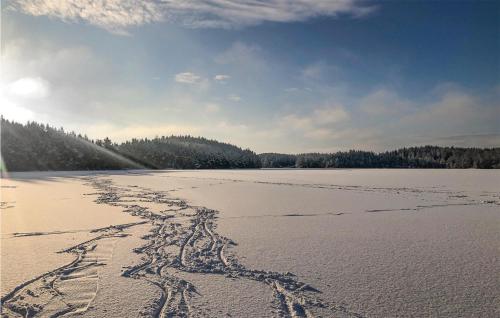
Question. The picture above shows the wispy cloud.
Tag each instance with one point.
(187, 78)
(330, 115)
(239, 13)
(247, 61)
(239, 53)
(314, 70)
(117, 15)
(454, 111)
(318, 124)
(221, 78)
(384, 102)
(112, 15)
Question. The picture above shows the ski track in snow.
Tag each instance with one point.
(183, 238)
(69, 289)
(4, 205)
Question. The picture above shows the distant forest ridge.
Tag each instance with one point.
(40, 147)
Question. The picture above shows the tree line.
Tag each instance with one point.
(39, 147)
(34, 146)
(412, 157)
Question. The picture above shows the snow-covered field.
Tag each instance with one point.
(251, 243)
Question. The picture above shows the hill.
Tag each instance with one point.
(34, 146)
(413, 157)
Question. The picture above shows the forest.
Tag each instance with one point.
(34, 146)
(40, 147)
(412, 157)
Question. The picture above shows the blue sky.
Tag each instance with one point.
(287, 76)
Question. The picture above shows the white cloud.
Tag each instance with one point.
(234, 98)
(116, 15)
(314, 70)
(29, 87)
(225, 126)
(212, 108)
(187, 78)
(318, 70)
(221, 77)
(320, 133)
(330, 115)
(318, 118)
(240, 53)
(112, 15)
(236, 13)
(346, 134)
(247, 62)
(296, 122)
(450, 116)
(454, 112)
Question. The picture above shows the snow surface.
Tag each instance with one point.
(251, 243)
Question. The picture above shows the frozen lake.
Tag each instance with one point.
(252, 243)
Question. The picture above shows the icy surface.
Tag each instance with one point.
(253, 243)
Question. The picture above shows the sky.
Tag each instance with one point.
(273, 76)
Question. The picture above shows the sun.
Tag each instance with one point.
(11, 111)
(14, 95)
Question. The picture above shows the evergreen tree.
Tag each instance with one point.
(35, 146)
